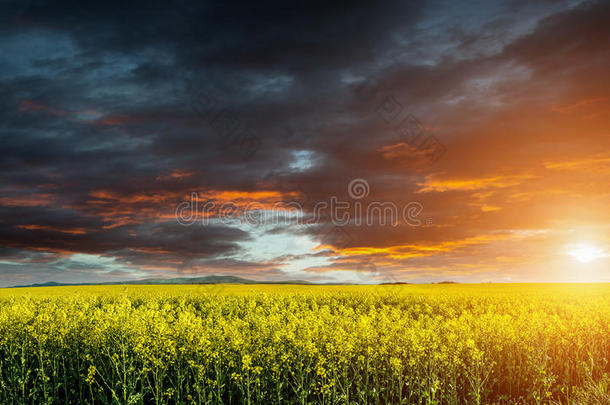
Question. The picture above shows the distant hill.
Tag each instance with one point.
(176, 280)
(48, 284)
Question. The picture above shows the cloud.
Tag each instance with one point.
(112, 118)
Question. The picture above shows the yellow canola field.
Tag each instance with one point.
(265, 344)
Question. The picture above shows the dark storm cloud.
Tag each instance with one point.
(61, 230)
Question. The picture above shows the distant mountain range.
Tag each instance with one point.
(203, 280)
(176, 280)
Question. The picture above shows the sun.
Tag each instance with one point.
(584, 252)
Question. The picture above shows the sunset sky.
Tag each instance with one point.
(115, 114)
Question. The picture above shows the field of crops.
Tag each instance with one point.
(410, 344)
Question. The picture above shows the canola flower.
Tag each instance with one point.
(455, 344)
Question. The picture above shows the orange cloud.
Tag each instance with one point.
(434, 184)
(34, 227)
(119, 209)
(31, 200)
(398, 150)
(417, 250)
(567, 109)
(585, 163)
(264, 197)
(406, 251)
(176, 174)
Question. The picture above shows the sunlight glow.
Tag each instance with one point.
(584, 252)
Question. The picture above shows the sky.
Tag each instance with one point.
(323, 141)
